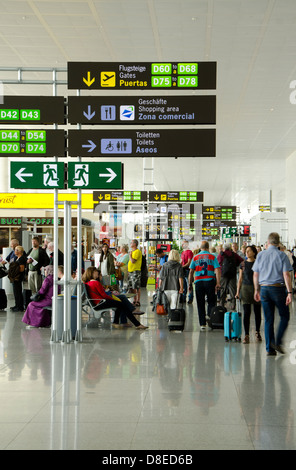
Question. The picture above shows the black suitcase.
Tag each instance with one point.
(216, 320)
(177, 319)
(26, 297)
(3, 299)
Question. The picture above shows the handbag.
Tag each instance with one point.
(160, 310)
(3, 272)
(36, 297)
(118, 274)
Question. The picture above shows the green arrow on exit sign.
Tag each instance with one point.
(95, 175)
(39, 175)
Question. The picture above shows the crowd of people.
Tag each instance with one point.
(37, 267)
(261, 277)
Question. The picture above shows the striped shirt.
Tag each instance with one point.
(204, 265)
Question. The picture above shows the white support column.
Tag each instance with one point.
(54, 334)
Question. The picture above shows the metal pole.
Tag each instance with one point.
(78, 336)
(54, 334)
(66, 336)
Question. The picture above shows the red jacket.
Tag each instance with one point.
(96, 291)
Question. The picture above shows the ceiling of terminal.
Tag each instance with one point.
(253, 43)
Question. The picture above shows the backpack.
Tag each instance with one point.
(228, 268)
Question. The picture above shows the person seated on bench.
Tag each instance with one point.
(37, 315)
(120, 303)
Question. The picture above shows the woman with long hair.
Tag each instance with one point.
(106, 261)
(120, 303)
(245, 287)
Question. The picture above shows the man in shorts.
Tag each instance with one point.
(134, 271)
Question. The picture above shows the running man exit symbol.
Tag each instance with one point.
(81, 175)
(50, 175)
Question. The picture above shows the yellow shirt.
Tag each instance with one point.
(137, 255)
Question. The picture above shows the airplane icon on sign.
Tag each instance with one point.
(108, 79)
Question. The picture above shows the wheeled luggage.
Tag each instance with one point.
(233, 326)
(177, 319)
(216, 320)
(27, 293)
(3, 299)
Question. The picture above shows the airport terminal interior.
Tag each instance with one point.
(186, 110)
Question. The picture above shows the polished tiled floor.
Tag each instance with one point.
(150, 390)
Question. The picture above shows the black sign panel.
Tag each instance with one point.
(125, 196)
(143, 143)
(32, 143)
(144, 75)
(32, 110)
(223, 213)
(144, 110)
(176, 196)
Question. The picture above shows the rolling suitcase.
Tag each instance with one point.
(233, 326)
(3, 299)
(216, 320)
(177, 319)
(26, 297)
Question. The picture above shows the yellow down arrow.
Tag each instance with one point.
(88, 81)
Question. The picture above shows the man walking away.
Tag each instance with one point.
(272, 283)
(206, 272)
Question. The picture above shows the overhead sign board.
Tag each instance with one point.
(142, 75)
(36, 175)
(175, 196)
(116, 196)
(144, 110)
(142, 143)
(32, 110)
(223, 213)
(264, 208)
(29, 142)
(95, 175)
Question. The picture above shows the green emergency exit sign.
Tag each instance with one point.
(37, 175)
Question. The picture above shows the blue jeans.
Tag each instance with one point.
(186, 286)
(271, 297)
